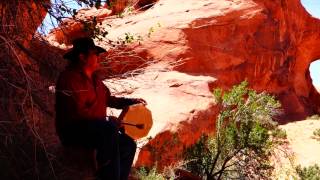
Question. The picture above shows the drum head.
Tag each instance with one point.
(137, 114)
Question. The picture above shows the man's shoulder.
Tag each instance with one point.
(69, 74)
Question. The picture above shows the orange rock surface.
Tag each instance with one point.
(269, 43)
(182, 108)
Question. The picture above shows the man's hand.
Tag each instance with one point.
(139, 101)
(115, 121)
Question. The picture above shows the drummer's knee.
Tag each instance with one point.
(107, 131)
(110, 127)
(133, 148)
(132, 144)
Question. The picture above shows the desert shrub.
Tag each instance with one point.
(308, 173)
(145, 173)
(316, 133)
(279, 133)
(241, 144)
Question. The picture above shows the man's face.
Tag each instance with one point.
(92, 60)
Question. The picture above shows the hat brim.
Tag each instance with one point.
(73, 53)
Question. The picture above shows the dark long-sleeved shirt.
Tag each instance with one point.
(80, 98)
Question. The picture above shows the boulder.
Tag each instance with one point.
(182, 108)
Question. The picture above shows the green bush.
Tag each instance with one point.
(279, 133)
(144, 174)
(241, 144)
(151, 174)
(308, 173)
(316, 133)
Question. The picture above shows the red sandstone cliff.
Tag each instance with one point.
(269, 43)
(222, 42)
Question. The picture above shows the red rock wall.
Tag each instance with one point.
(272, 50)
(269, 43)
(28, 67)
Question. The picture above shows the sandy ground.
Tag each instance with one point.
(302, 141)
(302, 148)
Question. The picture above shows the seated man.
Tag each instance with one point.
(81, 102)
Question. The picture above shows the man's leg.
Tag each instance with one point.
(104, 137)
(127, 151)
(107, 145)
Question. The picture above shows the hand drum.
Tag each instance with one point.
(137, 120)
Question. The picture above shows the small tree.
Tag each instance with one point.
(241, 144)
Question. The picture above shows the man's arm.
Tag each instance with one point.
(121, 102)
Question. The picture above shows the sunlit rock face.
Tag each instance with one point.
(71, 29)
(269, 43)
(182, 109)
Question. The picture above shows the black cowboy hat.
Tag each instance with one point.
(82, 45)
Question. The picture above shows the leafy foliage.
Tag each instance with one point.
(151, 174)
(316, 133)
(241, 145)
(308, 173)
(60, 9)
(145, 174)
(279, 133)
